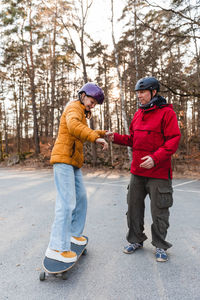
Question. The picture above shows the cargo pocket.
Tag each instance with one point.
(127, 196)
(164, 199)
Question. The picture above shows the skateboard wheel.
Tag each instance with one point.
(85, 252)
(64, 276)
(42, 276)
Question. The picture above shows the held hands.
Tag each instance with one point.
(103, 143)
(110, 136)
(148, 163)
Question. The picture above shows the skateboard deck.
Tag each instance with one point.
(55, 267)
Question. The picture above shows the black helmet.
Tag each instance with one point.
(147, 83)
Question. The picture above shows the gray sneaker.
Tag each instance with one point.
(132, 247)
(161, 255)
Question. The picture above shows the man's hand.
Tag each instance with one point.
(103, 143)
(148, 163)
(110, 136)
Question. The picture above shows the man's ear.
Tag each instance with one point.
(154, 92)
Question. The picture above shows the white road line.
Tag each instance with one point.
(124, 185)
(178, 190)
(104, 183)
(124, 180)
(185, 183)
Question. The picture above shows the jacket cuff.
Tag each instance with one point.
(117, 139)
(156, 161)
(101, 133)
(93, 136)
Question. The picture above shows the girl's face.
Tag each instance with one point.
(88, 102)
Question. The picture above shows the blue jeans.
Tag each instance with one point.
(71, 206)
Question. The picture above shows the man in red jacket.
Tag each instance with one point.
(154, 137)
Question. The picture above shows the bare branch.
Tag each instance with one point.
(182, 36)
(174, 12)
(180, 94)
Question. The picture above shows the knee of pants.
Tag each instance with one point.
(65, 211)
(82, 197)
(162, 223)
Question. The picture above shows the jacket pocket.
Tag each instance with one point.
(164, 199)
(73, 149)
(143, 140)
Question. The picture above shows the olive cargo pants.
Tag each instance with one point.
(160, 193)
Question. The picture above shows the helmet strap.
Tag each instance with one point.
(151, 94)
(80, 98)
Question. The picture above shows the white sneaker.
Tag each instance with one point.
(79, 240)
(66, 256)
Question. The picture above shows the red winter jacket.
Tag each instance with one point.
(154, 132)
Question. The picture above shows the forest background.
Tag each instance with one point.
(49, 50)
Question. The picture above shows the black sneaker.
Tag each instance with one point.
(132, 247)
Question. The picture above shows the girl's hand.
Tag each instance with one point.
(110, 136)
(103, 143)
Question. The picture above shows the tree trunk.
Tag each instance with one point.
(136, 48)
(85, 77)
(53, 74)
(35, 122)
(31, 75)
(117, 64)
(17, 124)
(197, 58)
(1, 147)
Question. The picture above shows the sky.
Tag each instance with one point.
(99, 24)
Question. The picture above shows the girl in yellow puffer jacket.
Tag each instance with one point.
(67, 159)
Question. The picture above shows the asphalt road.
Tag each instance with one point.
(106, 273)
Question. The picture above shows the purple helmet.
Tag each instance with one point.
(94, 91)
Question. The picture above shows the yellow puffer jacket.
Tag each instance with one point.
(73, 132)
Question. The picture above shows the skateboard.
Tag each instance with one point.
(55, 267)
